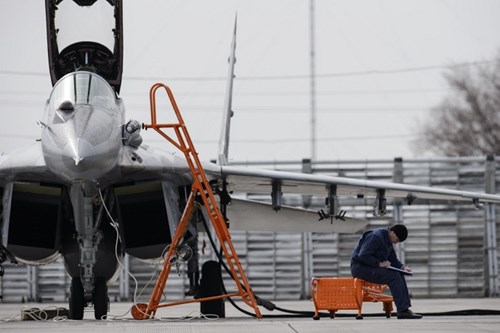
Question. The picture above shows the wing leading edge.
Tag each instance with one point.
(25, 165)
(251, 215)
(261, 181)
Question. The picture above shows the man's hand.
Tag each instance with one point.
(406, 268)
(384, 264)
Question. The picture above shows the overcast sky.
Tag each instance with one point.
(379, 67)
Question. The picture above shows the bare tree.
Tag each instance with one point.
(467, 122)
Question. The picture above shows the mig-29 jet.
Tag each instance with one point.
(91, 173)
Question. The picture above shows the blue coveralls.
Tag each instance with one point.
(373, 248)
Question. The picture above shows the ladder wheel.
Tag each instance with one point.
(76, 299)
(139, 311)
(211, 285)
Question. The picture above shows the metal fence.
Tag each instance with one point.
(451, 248)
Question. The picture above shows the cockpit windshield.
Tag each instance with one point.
(83, 88)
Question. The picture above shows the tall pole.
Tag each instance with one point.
(307, 236)
(313, 82)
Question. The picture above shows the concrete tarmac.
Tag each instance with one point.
(186, 318)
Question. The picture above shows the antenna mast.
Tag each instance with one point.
(313, 82)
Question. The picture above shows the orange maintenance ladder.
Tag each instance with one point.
(201, 188)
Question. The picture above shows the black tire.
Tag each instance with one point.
(76, 299)
(211, 285)
(100, 298)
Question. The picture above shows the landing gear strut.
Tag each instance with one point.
(88, 288)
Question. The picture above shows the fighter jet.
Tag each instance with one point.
(90, 190)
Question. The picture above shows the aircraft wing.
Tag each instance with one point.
(251, 215)
(26, 164)
(260, 181)
(148, 163)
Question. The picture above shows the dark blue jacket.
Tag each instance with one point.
(375, 247)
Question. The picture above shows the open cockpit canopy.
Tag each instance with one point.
(85, 35)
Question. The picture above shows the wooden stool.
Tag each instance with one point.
(343, 293)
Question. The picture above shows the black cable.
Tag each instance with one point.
(267, 304)
(222, 263)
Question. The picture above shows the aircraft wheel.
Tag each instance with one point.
(211, 285)
(100, 298)
(76, 299)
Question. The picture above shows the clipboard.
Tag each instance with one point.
(400, 270)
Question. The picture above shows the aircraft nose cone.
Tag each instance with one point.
(80, 159)
(76, 152)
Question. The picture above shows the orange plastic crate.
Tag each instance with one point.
(346, 293)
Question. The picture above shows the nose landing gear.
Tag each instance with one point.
(77, 301)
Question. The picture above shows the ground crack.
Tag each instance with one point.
(290, 325)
